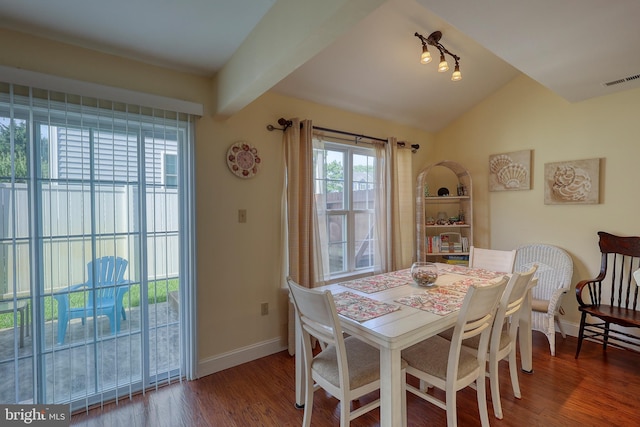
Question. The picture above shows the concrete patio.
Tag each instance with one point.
(83, 366)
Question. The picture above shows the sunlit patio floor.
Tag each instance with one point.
(83, 366)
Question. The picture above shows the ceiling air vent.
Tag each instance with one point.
(622, 80)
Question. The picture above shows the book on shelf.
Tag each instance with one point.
(444, 243)
(456, 259)
(465, 244)
(433, 244)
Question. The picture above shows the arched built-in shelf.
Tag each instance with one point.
(429, 234)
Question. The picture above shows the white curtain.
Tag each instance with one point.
(393, 210)
(306, 261)
(321, 238)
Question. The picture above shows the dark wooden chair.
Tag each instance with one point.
(612, 297)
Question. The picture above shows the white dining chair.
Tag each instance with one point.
(443, 364)
(554, 275)
(502, 344)
(347, 368)
(492, 259)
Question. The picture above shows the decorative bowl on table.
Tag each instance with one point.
(424, 273)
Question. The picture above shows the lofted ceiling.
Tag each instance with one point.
(368, 60)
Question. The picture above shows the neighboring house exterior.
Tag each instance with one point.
(91, 192)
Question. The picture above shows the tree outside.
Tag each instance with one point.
(19, 167)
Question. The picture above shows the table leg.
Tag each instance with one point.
(391, 388)
(524, 335)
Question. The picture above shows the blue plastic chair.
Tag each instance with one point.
(107, 294)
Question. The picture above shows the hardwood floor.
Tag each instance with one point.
(595, 390)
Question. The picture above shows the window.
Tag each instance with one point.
(345, 190)
(170, 170)
(82, 179)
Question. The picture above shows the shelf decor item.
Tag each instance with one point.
(424, 273)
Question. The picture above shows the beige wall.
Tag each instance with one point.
(238, 265)
(524, 115)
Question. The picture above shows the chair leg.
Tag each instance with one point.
(551, 337)
(482, 401)
(513, 370)
(450, 393)
(424, 386)
(551, 333)
(581, 333)
(403, 399)
(606, 336)
(495, 386)
(345, 411)
(308, 401)
(112, 322)
(62, 329)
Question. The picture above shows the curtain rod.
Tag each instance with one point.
(288, 123)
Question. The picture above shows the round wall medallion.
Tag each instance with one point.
(243, 160)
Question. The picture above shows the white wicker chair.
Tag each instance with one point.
(555, 270)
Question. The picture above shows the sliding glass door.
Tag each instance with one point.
(91, 240)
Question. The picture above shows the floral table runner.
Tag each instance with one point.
(380, 282)
(480, 273)
(361, 308)
(440, 300)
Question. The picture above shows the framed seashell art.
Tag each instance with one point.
(572, 182)
(510, 171)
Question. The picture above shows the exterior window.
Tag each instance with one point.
(170, 170)
(345, 188)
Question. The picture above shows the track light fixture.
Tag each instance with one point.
(425, 57)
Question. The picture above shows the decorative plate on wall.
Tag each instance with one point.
(243, 160)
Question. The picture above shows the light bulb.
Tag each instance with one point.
(456, 74)
(443, 66)
(425, 58)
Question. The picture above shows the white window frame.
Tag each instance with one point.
(349, 212)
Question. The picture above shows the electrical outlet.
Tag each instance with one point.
(264, 308)
(242, 215)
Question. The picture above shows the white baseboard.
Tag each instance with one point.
(239, 356)
(570, 328)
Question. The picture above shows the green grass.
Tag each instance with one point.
(157, 293)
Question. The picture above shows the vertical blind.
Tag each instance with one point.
(85, 180)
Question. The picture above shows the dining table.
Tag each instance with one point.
(391, 312)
